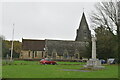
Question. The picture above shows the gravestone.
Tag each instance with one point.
(93, 63)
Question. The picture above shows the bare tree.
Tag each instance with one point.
(107, 15)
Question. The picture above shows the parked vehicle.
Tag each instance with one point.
(103, 61)
(111, 61)
(47, 61)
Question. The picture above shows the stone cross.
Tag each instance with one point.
(94, 47)
(94, 64)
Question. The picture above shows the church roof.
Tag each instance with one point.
(60, 46)
(34, 45)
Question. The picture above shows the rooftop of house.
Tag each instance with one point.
(32, 44)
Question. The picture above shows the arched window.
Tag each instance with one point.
(54, 54)
(28, 53)
(35, 53)
(65, 54)
(77, 55)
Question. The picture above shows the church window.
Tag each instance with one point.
(29, 54)
(42, 53)
(35, 53)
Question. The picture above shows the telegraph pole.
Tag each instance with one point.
(12, 44)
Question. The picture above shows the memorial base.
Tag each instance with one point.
(93, 64)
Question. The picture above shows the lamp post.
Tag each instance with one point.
(11, 57)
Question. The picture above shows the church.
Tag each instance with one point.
(59, 49)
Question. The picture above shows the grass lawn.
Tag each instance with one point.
(32, 69)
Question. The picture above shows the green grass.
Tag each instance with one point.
(37, 62)
(32, 69)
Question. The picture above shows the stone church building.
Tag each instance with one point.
(59, 49)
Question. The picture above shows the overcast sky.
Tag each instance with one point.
(44, 20)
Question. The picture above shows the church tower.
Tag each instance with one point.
(83, 33)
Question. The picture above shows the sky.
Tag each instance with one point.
(44, 20)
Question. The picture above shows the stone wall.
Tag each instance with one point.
(63, 49)
(26, 54)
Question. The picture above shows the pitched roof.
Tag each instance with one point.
(83, 21)
(34, 45)
(61, 45)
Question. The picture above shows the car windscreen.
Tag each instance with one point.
(42, 60)
(48, 59)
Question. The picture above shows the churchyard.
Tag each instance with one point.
(103, 44)
(32, 69)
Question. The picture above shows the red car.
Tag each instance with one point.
(47, 61)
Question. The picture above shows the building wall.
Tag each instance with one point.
(66, 49)
(26, 54)
(58, 49)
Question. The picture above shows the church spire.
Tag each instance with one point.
(83, 21)
(83, 33)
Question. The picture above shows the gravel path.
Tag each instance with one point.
(75, 70)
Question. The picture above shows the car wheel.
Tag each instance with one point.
(54, 63)
(51, 63)
(45, 63)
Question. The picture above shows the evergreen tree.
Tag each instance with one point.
(106, 43)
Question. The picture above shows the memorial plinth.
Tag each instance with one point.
(93, 63)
